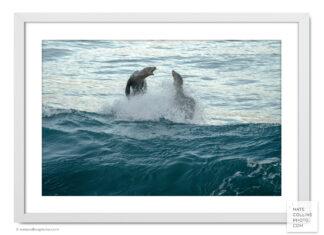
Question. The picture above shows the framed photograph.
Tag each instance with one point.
(160, 117)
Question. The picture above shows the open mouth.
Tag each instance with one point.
(152, 70)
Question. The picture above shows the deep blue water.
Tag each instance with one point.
(94, 154)
(97, 142)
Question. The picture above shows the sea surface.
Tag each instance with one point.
(97, 142)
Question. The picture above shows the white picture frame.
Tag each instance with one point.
(21, 19)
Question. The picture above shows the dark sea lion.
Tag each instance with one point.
(137, 81)
(185, 103)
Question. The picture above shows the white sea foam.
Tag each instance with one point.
(157, 103)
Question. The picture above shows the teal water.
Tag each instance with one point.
(97, 142)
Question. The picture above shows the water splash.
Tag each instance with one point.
(158, 103)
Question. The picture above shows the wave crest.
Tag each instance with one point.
(48, 111)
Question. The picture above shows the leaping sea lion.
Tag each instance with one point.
(137, 81)
(184, 102)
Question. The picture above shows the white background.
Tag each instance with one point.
(6, 97)
(287, 33)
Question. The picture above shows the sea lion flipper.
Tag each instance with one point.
(127, 89)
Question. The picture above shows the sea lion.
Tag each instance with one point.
(137, 81)
(185, 103)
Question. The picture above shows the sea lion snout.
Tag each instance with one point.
(150, 70)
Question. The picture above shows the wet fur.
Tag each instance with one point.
(185, 103)
(137, 82)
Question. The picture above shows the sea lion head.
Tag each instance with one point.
(177, 79)
(150, 70)
(144, 73)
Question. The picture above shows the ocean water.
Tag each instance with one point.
(95, 141)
